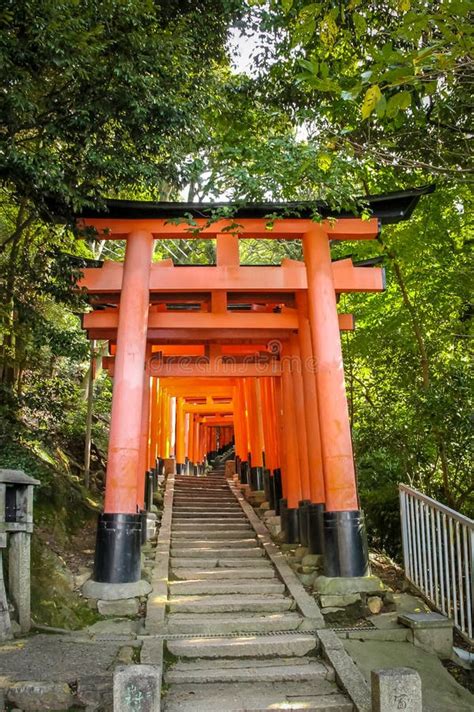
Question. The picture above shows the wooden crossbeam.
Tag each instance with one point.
(216, 369)
(290, 277)
(286, 228)
(107, 322)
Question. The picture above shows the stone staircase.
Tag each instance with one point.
(257, 653)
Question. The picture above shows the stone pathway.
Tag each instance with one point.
(258, 653)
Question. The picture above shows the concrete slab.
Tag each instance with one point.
(56, 658)
(441, 692)
(115, 591)
(119, 628)
(425, 620)
(407, 603)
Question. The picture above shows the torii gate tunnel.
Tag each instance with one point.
(205, 356)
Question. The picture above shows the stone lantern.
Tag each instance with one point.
(16, 527)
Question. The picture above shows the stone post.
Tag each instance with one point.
(137, 688)
(5, 623)
(19, 583)
(396, 689)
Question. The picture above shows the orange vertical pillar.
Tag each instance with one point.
(300, 417)
(267, 424)
(345, 543)
(180, 436)
(117, 558)
(159, 425)
(245, 464)
(280, 431)
(274, 393)
(303, 437)
(315, 459)
(172, 428)
(196, 444)
(256, 445)
(154, 407)
(238, 430)
(143, 460)
(289, 510)
(189, 440)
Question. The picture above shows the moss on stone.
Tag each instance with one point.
(53, 600)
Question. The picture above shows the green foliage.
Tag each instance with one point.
(102, 94)
(408, 363)
(389, 80)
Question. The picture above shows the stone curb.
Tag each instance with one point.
(152, 648)
(157, 600)
(348, 676)
(305, 604)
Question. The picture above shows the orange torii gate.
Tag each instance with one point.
(269, 334)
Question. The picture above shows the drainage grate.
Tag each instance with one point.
(244, 634)
(358, 629)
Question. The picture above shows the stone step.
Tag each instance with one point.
(220, 553)
(209, 499)
(213, 588)
(212, 534)
(209, 516)
(244, 647)
(205, 501)
(253, 670)
(248, 697)
(218, 574)
(204, 494)
(214, 506)
(206, 506)
(186, 496)
(217, 488)
(211, 544)
(214, 561)
(233, 622)
(216, 485)
(209, 526)
(220, 487)
(226, 523)
(264, 603)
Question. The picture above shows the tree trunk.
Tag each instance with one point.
(424, 366)
(90, 402)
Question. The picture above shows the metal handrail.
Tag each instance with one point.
(438, 549)
(438, 505)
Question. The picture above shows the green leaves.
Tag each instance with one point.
(397, 102)
(372, 96)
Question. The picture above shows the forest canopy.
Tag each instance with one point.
(142, 99)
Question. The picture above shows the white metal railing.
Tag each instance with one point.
(438, 549)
